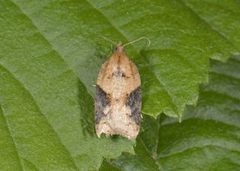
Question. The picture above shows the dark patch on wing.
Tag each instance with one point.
(101, 101)
(134, 101)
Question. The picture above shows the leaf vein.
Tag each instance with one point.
(14, 143)
(52, 46)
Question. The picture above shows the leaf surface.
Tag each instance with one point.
(46, 116)
(50, 54)
(182, 41)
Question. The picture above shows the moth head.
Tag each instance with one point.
(119, 48)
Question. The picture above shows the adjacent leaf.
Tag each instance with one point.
(171, 68)
(208, 137)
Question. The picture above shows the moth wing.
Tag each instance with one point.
(134, 101)
(101, 101)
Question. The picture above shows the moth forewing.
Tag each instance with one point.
(118, 97)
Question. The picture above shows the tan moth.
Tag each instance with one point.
(118, 96)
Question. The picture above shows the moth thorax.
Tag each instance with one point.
(118, 88)
(117, 94)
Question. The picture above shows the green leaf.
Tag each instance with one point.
(46, 114)
(208, 137)
(171, 68)
(51, 51)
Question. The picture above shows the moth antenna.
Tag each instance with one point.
(109, 40)
(141, 38)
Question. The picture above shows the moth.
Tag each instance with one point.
(118, 98)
